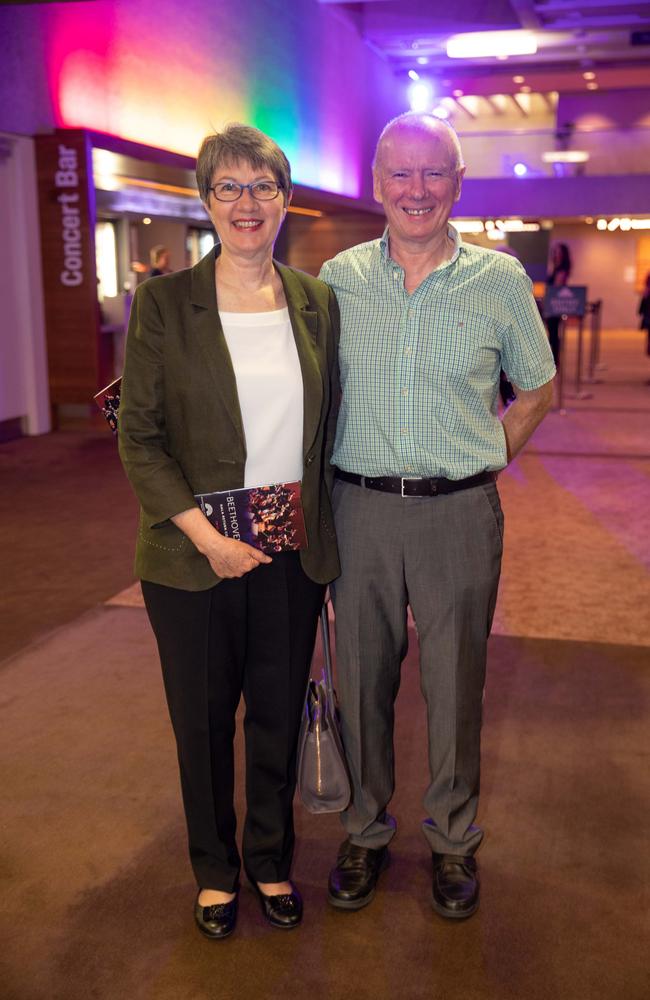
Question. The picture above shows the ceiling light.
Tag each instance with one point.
(565, 156)
(589, 75)
(413, 75)
(420, 96)
(477, 44)
(519, 226)
(441, 112)
(457, 93)
(146, 221)
(601, 224)
(422, 60)
(613, 224)
(525, 90)
(518, 79)
(592, 85)
(519, 169)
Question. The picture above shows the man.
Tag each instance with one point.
(427, 324)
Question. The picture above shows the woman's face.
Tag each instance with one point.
(248, 226)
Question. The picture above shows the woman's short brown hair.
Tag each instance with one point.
(241, 142)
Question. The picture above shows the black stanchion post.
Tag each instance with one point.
(579, 393)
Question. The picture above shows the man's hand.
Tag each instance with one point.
(524, 415)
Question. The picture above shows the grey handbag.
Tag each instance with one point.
(323, 781)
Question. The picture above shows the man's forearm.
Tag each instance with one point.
(524, 415)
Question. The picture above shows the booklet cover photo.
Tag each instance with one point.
(267, 517)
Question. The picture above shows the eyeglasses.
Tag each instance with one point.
(260, 190)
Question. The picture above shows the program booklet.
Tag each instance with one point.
(268, 517)
(108, 400)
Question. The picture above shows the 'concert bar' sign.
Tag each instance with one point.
(67, 215)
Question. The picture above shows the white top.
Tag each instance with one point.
(269, 386)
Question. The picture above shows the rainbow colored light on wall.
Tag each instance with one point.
(110, 72)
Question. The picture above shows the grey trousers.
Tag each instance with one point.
(442, 556)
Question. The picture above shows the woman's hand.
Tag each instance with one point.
(227, 557)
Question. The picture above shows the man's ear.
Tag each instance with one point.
(376, 187)
(459, 182)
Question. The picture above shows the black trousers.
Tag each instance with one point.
(254, 635)
(553, 327)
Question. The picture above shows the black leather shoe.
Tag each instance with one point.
(455, 885)
(283, 911)
(216, 921)
(353, 881)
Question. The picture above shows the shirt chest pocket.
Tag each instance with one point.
(462, 344)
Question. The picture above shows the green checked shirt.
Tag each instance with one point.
(420, 372)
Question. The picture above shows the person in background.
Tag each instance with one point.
(558, 275)
(231, 381)
(159, 257)
(644, 311)
(427, 324)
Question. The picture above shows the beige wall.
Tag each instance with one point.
(606, 263)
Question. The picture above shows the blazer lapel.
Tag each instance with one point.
(304, 323)
(207, 330)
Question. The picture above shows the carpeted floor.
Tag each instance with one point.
(97, 892)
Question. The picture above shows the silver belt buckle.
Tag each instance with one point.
(407, 479)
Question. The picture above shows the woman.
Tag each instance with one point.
(230, 381)
(644, 310)
(558, 275)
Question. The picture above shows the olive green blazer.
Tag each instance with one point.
(180, 425)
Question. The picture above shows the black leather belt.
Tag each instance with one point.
(415, 487)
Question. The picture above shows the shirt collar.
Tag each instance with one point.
(452, 233)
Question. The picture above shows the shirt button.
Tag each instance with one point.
(405, 392)
(396, 275)
(404, 431)
(408, 468)
(407, 350)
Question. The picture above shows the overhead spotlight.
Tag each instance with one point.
(589, 75)
(589, 221)
(519, 79)
(146, 221)
(441, 111)
(601, 224)
(613, 225)
(422, 60)
(592, 85)
(413, 74)
(420, 96)
(519, 169)
(491, 44)
(626, 225)
(457, 93)
(525, 89)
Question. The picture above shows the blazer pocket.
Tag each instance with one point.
(165, 538)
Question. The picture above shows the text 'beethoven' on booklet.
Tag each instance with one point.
(268, 517)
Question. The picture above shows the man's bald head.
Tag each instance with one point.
(426, 123)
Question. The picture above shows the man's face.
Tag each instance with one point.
(416, 181)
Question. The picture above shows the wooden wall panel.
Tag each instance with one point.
(311, 241)
(78, 363)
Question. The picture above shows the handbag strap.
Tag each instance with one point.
(327, 654)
